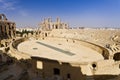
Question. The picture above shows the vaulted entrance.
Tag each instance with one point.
(116, 56)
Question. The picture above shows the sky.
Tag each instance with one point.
(77, 13)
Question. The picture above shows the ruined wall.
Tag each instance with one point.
(57, 71)
(7, 28)
(48, 24)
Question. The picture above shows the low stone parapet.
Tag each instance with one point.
(15, 53)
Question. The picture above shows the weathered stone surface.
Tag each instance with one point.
(7, 28)
(48, 24)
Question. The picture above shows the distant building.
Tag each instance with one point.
(26, 28)
(47, 24)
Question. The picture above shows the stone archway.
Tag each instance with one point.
(0, 58)
(116, 56)
(25, 35)
(2, 45)
(3, 17)
(46, 34)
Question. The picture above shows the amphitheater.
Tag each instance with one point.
(72, 53)
(64, 54)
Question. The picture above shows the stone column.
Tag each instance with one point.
(0, 29)
(10, 30)
(3, 30)
(14, 30)
(7, 30)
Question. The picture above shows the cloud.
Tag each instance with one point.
(8, 4)
(23, 13)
